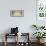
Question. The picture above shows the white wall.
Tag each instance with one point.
(24, 23)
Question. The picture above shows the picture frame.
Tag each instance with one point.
(17, 13)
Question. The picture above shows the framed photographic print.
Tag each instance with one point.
(17, 13)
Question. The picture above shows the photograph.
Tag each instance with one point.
(17, 13)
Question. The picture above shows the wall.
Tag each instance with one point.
(24, 23)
